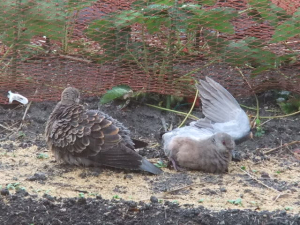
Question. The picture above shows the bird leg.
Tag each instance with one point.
(175, 166)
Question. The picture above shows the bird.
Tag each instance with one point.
(82, 137)
(211, 154)
(207, 144)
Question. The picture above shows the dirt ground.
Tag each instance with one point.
(259, 189)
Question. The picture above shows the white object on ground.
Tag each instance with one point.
(17, 97)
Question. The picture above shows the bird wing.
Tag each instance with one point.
(222, 112)
(84, 132)
(94, 138)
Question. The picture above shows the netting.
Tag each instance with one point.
(151, 45)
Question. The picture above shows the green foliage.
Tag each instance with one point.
(116, 197)
(288, 103)
(243, 167)
(21, 134)
(160, 164)
(207, 2)
(81, 195)
(115, 93)
(42, 156)
(201, 201)
(248, 51)
(266, 10)
(21, 20)
(113, 33)
(290, 28)
(14, 186)
(115, 28)
(259, 130)
(236, 201)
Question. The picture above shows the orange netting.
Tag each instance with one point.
(151, 45)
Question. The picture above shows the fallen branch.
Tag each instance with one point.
(258, 181)
(281, 146)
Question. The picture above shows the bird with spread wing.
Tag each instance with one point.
(207, 143)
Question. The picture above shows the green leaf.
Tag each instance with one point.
(79, 4)
(42, 156)
(81, 195)
(127, 18)
(116, 197)
(156, 10)
(218, 19)
(114, 93)
(265, 11)
(160, 164)
(207, 2)
(286, 30)
(216, 43)
(105, 33)
(259, 70)
(236, 202)
(154, 23)
(237, 53)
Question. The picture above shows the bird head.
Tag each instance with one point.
(224, 141)
(70, 96)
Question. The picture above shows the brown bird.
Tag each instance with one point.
(225, 124)
(83, 137)
(212, 154)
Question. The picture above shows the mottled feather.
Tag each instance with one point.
(90, 137)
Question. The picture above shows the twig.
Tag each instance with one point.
(257, 102)
(25, 113)
(174, 111)
(281, 146)
(6, 128)
(189, 113)
(165, 193)
(75, 58)
(281, 116)
(265, 122)
(258, 181)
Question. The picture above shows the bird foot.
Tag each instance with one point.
(175, 166)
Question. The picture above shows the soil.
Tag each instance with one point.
(261, 188)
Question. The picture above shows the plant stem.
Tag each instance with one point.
(188, 114)
(174, 111)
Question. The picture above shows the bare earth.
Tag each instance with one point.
(260, 189)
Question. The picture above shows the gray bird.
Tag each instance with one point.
(211, 154)
(83, 137)
(207, 144)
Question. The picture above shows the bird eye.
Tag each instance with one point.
(224, 143)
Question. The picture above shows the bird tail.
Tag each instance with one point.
(124, 158)
(149, 167)
(139, 144)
